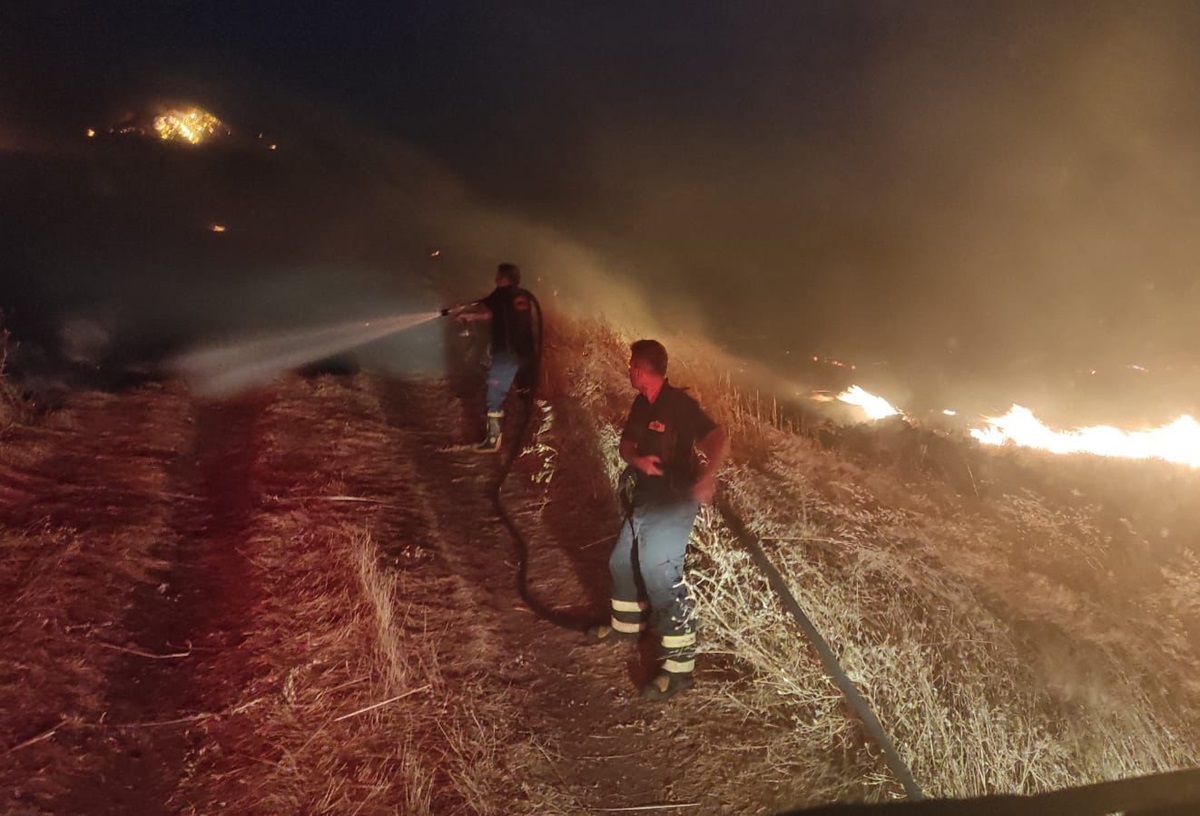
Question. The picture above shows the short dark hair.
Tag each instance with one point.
(651, 352)
(510, 271)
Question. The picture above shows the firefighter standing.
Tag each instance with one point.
(510, 310)
(664, 429)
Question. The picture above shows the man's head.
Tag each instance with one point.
(508, 274)
(647, 365)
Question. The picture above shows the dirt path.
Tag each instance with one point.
(185, 500)
(610, 749)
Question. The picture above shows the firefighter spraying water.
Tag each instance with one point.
(510, 310)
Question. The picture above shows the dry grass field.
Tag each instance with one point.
(302, 601)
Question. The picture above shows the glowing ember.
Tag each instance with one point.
(192, 126)
(216, 227)
(874, 406)
(1177, 442)
(91, 134)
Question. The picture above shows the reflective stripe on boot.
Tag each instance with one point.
(679, 661)
(629, 616)
(628, 621)
(678, 652)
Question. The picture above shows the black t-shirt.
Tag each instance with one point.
(512, 320)
(668, 428)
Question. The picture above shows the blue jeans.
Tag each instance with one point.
(503, 371)
(660, 533)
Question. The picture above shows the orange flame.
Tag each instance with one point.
(875, 407)
(1178, 441)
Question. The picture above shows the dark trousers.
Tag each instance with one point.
(655, 536)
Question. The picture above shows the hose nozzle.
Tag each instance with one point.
(444, 312)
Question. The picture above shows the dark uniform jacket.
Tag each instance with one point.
(668, 428)
(512, 321)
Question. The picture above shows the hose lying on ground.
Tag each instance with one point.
(556, 617)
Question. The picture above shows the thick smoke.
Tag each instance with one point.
(994, 201)
(975, 204)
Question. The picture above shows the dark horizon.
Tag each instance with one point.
(991, 193)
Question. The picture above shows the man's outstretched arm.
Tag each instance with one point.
(472, 312)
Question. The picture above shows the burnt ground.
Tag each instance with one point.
(170, 484)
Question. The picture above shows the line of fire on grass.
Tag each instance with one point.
(1177, 441)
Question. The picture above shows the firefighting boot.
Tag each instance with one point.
(491, 443)
(667, 685)
(679, 661)
(626, 625)
(604, 633)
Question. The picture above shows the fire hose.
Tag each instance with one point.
(495, 491)
(829, 660)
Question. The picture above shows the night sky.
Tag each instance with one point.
(981, 190)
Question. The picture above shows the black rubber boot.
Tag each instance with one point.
(597, 635)
(667, 685)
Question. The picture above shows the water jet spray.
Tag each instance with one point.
(221, 371)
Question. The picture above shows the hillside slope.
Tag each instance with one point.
(302, 601)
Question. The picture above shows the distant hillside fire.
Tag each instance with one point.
(187, 124)
(190, 125)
